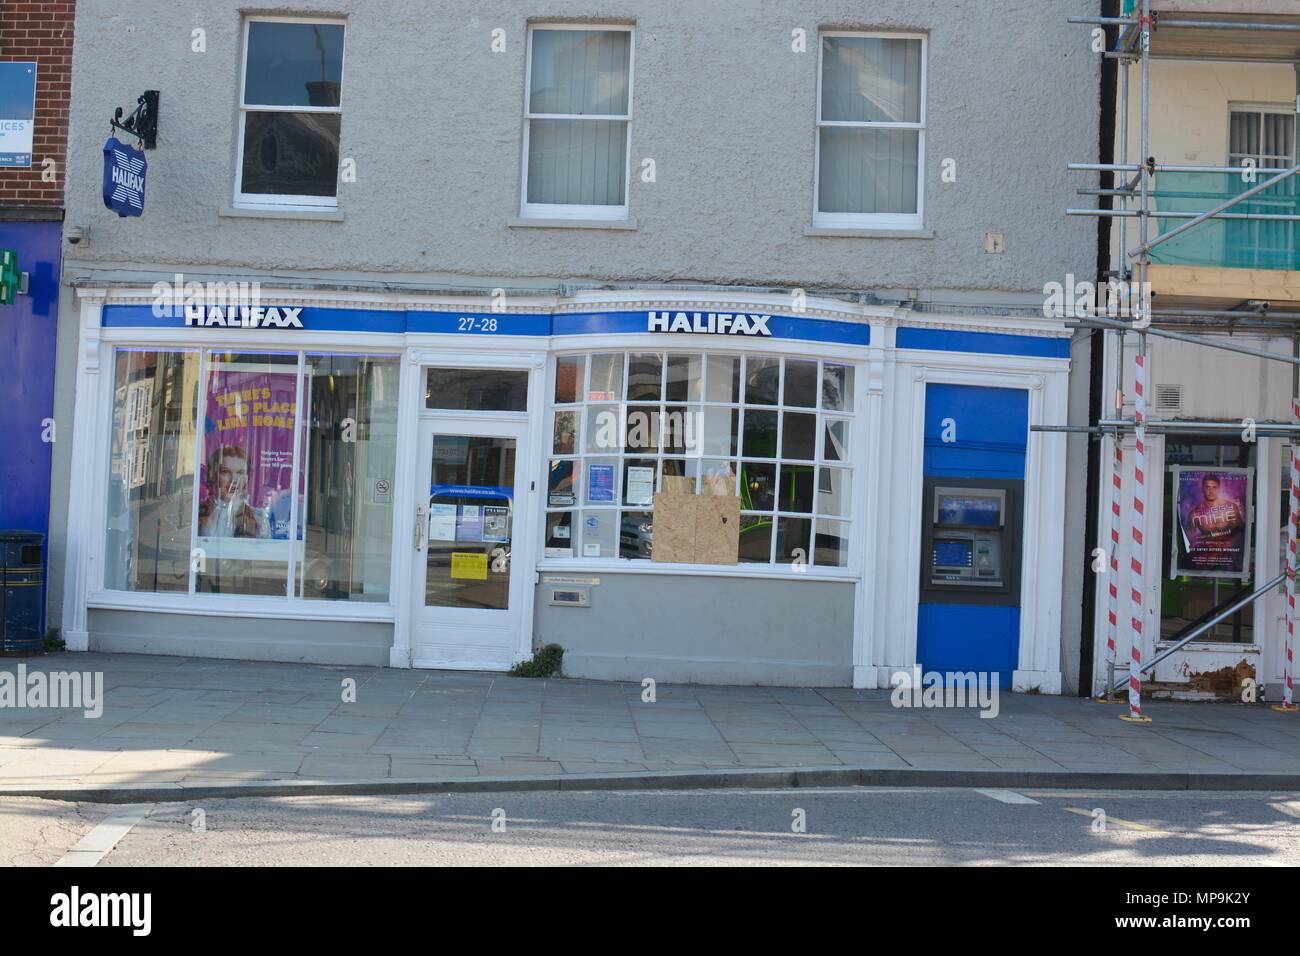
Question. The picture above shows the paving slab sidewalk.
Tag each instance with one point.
(176, 728)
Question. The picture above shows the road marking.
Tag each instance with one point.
(1008, 796)
(96, 844)
(1129, 824)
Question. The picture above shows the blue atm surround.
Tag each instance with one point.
(991, 428)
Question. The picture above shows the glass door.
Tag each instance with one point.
(469, 513)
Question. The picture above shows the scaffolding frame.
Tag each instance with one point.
(1135, 197)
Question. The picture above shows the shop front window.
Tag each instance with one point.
(221, 484)
(1209, 541)
(770, 430)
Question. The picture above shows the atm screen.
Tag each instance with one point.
(970, 510)
(952, 554)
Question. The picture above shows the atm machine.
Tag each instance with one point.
(971, 543)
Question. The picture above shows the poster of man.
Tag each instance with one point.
(1212, 511)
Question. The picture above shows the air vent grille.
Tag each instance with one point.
(1169, 398)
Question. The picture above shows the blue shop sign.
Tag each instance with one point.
(17, 113)
(124, 176)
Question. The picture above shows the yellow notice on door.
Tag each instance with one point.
(469, 566)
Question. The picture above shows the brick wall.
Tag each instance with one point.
(40, 31)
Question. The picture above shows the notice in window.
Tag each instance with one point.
(468, 566)
(469, 525)
(442, 522)
(640, 485)
(496, 523)
(600, 483)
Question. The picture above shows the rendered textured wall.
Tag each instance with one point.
(433, 119)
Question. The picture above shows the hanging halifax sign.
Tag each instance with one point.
(124, 173)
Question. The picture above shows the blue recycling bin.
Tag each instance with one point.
(21, 587)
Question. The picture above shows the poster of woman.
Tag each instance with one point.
(247, 467)
(1212, 521)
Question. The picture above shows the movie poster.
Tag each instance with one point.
(1212, 522)
(247, 469)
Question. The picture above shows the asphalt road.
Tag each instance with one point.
(739, 827)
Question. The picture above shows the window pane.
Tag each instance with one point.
(290, 154)
(603, 428)
(832, 549)
(640, 479)
(798, 436)
(151, 475)
(559, 535)
(800, 383)
(476, 389)
(757, 486)
(837, 388)
(580, 71)
(599, 534)
(645, 376)
(792, 536)
(1244, 133)
(635, 535)
(565, 433)
(577, 162)
(718, 478)
(350, 465)
(642, 428)
(684, 379)
(293, 64)
(835, 445)
(606, 377)
(471, 508)
(871, 79)
(688, 468)
(246, 476)
(723, 378)
(568, 379)
(682, 427)
(868, 170)
(796, 489)
(834, 492)
(755, 539)
(762, 380)
(760, 434)
(559, 487)
(721, 431)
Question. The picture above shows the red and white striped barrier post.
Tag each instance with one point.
(1139, 535)
(1288, 660)
(1112, 589)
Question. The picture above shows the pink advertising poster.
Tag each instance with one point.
(1212, 512)
(247, 469)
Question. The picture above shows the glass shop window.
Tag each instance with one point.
(253, 474)
(772, 430)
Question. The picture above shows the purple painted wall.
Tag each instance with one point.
(27, 342)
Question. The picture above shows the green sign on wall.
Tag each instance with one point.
(10, 276)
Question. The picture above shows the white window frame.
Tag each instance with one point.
(853, 220)
(276, 201)
(851, 467)
(1262, 109)
(529, 210)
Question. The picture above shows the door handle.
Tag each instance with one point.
(419, 527)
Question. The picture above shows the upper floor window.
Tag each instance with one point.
(1264, 136)
(290, 110)
(576, 119)
(870, 131)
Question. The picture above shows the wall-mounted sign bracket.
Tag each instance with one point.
(143, 121)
